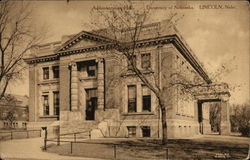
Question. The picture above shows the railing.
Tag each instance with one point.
(114, 146)
(74, 134)
(116, 149)
(12, 134)
(58, 138)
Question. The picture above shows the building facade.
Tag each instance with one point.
(15, 106)
(84, 83)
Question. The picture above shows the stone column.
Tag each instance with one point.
(64, 88)
(225, 127)
(74, 88)
(100, 84)
(196, 117)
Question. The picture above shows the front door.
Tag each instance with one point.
(91, 104)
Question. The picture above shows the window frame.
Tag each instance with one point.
(132, 100)
(46, 107)
(56, 104)
(148, 102)
(146, 129)
(146, 95)
(93, 70)
(56, 72)
(146, 63)
(134, 60)
(45, 73)
(131, 131)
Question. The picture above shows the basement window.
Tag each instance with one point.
(131, 131)
(145, 131)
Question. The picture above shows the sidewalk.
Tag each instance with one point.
(30, 149)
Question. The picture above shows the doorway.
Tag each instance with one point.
(204, 115)
(200, 117)
(91, 103)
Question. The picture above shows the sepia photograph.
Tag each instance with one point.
(124, 80)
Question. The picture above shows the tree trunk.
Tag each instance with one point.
(164, 123)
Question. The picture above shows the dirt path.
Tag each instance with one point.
(29, 149)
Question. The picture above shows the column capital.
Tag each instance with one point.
(99, 60)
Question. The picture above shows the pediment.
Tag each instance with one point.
(83, 40)
(85, 43)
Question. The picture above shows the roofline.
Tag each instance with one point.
(174, 39)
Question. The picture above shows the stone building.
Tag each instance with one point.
(83, 83)
(16, 106)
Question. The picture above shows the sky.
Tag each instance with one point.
(217, 32)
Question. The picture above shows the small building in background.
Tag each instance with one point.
(14, 112)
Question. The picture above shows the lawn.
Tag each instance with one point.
(206, 147)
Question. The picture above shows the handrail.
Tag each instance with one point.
(73, 133)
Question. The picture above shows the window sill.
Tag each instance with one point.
(87, 78)
(132, 73)
(137, 113)
(56, 80)
(49, 116)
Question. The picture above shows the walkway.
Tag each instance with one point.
(30, 149)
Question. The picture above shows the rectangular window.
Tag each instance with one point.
(132, 60)
(55, 71)
(45, 105)
(145, 131)
(56, 102)
(91, 70)
(146, 99)
(87, 68)
(131, 131)
(145, 61)
(132, 98)
(46, 73)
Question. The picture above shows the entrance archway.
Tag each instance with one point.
(213, 94)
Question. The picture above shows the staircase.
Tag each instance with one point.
(79, 130)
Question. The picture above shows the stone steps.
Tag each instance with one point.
(77, 126)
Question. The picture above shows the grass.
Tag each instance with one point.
(199, 148)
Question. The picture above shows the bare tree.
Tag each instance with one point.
(17, 36)
(240, 119)
(123, 23)
(214, 116)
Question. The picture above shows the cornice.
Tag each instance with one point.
(174, 39)
(190, 58)
(47, 58)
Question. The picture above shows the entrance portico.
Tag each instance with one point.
(213, 93)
